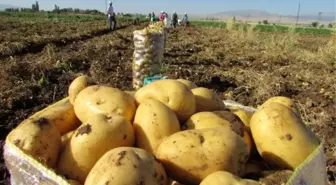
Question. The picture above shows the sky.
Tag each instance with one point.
(284, 7)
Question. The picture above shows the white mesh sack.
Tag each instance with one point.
(25, 170)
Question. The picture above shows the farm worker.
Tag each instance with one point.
(153, 17)
(111, 16)
(166, 19)
(174, 19)
(162, 16)
(185, 18)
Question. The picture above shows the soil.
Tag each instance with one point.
(247, 70)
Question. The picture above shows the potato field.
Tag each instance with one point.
(41, 54)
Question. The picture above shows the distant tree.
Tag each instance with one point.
(322, 26)
(259, 22)
(265, 21)
(330, 25)
(234, 19)
(315, 24)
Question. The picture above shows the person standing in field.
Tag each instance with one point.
(111, 16)
(162, 16)
(185, 20)
(153, 17)
(174, 19)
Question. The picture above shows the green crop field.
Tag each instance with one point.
(266, 28)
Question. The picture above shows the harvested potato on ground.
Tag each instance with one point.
(153, 122)
(103, 99)
(207, 100)
(188, 83)
(189, 156)
(92, 140)
(226, 178)
(211, 120)
(72, 182)
(61, 114)
(65, 139)
(127, 165)
(76, 86)
(281, 137)
(172, 93)
(38, 138)
(243, 115)
(284, 101)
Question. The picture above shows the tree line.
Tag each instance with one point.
(36, 8)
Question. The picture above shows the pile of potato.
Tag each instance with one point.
(168, 132)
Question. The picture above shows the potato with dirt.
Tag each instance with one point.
(76, 86)
(212, 120)
(207, 100)
(281, 138)
(39, 138)
(104, 99)
(226, 178)
(153, 122)
(127, 165)
(189, 156)
(92, 140)
(285, 101)
(188, 83)
(65, 139)
(172, 93)
(244, 116)
(61, 114)
(238, 126)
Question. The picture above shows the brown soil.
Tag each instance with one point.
(246, 67)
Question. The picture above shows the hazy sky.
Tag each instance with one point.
(190, 6)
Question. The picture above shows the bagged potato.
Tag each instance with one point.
(148, 53)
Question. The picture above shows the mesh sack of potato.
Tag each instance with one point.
(149, 45)
(26, 169)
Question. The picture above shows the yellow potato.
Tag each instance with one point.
(61, 114)
(65, 139)
(281, 137)
(285, 101)
(212, 120)
(226, 178)
(38, 138)
(243, 115)
(76, 86)
(103, 99)
(189, 156)
(153, 122)
(126, 165)
(207, 100)
(172, 93)
(132, 93)
(92, 140)
(188, 83)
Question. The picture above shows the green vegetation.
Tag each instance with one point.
(265, 28)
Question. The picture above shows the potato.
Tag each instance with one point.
(243, 115)
(226, 178)
(92, 140)
(238, 126)
(281, 137)
(61, 114)
(65, 139)
(188, 83)
(285, 101)
(103, 99)
(153, 122)
(76, 86)
(172, 93)
(212, 120)
(126, 165)
(38, 138)
(132, 93)
(207, 100)
(72, 182)
(189, 156)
